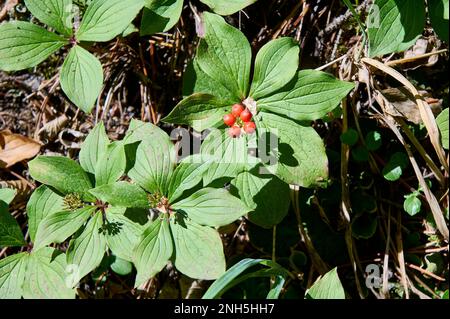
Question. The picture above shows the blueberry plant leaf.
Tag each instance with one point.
(24, 45)
(93, 148)
(188, 174)
(10, 232)
(198, 250)
(301, 157)
(57, 227)
(86, 251)
(54, 13)
(61, 173)
(438, 11)
(212, 207)
(46, 275)
(327, 287)
(111, 165)
(275, 66)
(105, 19)
(200, 111)
(394, 25)
(12, 276)
(121, 194)
(309, 96)
(225, 54)
(82, 78)
(160, 15)
(43, 202)
(227, 7)
(122, 233)
(155, 161)
(154, 250)
(442, 123)
(266, 195)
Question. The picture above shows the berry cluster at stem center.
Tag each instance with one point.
(240, 119)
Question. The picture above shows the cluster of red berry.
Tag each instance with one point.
(239, 118)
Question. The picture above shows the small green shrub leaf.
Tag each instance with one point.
(350, 137)
(62, 173)
(57, 227)
(198, 250)
(12, 276)
(412, 205)
(121, 194)
(105, 19)
(212, 207)
(54, 13)
(154, 250)
(160, 16)
(86, 251)
(24, 45)
(442, 123)
(10, 232)
(276, 65)
(327, 287)
(82, 78)
(309, 96)
(111, 165)
(93, 148)
(227, 7)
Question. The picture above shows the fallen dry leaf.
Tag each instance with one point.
(15, 148)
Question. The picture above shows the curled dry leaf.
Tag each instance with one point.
(15, 148)
(51, 129)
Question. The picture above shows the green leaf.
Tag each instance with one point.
(350, 137)
(394, 25)
(394, 168)
(139, 131)
(46, 276)
(111, 165)
(212, 207)
(373, 141)
(412, 204)
(276, 65)
(57, 227)
(198, 250)
(93, 148)
(82, 78)
(232, 69)
(43, 202)
(54, 13)
(155, 162)
(24, 45)
(62, 173)
(266, 195)
(187, 175)
(105, 19)
(442, 123)
(7, 195)
(327, 287)
(122, 233)
(86, 251)
(445, 295)
(201, 111)
(301, 157)
(309, 96)
(231, 277)
(160, 15)
(10, 232)
(227, 7)
(154, 250)
(230, 155)
(12, 276)
(439, 15)
(121, 267)
(121, 194)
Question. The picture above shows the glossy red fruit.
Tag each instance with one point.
(246, 115)
(249, 127)
(237, 109)
(234, 131)
(229, 120)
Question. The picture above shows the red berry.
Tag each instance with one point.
(246, 115)
(229, 120)
(249, 127)
(234, 131)
(236, 110)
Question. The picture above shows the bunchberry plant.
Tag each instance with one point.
(162, 15)
(10, 233)
(278, 98)
(24, 45)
